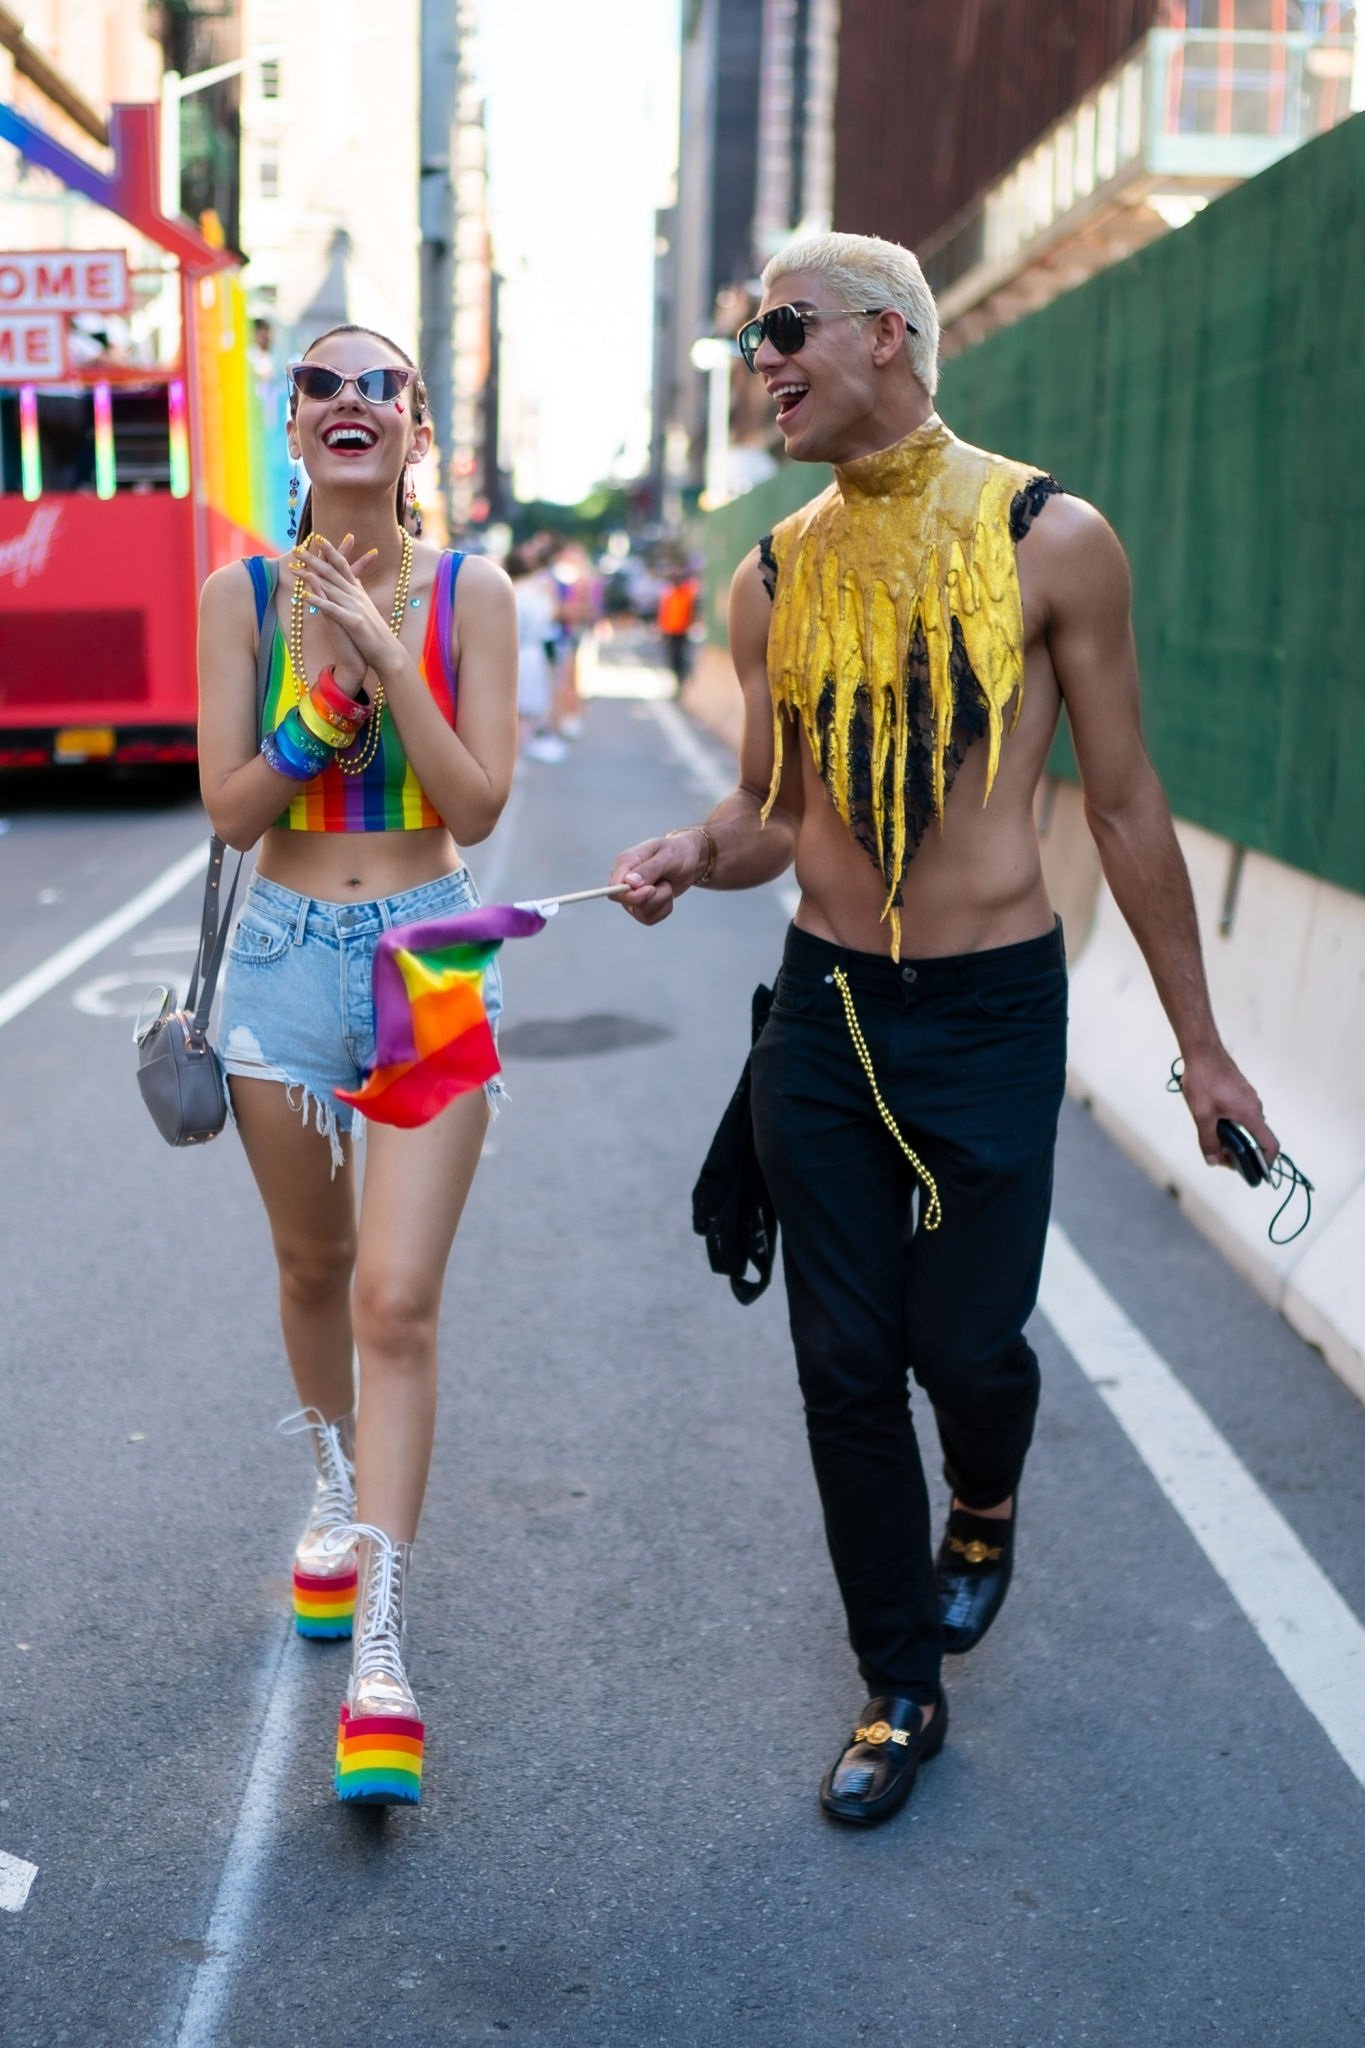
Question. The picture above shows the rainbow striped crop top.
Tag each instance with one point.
(386, 796)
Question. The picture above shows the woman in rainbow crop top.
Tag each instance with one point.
(364, 733)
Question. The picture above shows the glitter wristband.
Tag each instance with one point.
(331, 700)
(295, 738)
(348, 722)
(299, 767)
(273, 756)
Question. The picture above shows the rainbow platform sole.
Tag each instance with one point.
(324, 1607)
(379, 1760)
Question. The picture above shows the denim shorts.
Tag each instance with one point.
(297, 1004)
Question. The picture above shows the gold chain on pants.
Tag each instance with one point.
(933, 1215)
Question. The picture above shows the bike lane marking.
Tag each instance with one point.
(1301, 1619)
(50, 973)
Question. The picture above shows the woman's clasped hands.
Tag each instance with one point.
(357, 636)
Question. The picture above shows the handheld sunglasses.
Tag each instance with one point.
(785, 327)
(377, 387)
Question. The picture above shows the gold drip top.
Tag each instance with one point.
(897, 635)
(903, 468)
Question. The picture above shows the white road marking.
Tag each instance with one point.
(64, 963)
(1299, 1616)
(700, 765)
(16, 1879)
(176, 938)
(201, 2017)
(1302, 1620)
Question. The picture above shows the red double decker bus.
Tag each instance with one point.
(138, 450)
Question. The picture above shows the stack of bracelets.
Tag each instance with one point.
(323, 724)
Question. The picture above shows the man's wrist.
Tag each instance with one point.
(1206, 1045)
(706, 859)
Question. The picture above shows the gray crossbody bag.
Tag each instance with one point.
(178, 1071)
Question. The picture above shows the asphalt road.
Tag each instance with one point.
(626, 1639)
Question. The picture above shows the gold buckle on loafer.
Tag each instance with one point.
(975, 1551)
(879, 1733)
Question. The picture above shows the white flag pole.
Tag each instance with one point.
(547, 903)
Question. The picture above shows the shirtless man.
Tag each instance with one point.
(904, 645)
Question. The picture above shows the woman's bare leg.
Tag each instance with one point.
(312, 1223)
(414, 1193)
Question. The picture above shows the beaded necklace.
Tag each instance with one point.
(400, 605)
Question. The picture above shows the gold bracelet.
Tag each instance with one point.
(703, 875)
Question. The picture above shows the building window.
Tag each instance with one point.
(270, 78)
(269, 186)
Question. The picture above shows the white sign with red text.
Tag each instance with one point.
(64, 281)
(32, 348)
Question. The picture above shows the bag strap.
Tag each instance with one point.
(216, 920)
(213, 931)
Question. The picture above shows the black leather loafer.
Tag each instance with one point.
(973, 1569)
(872, 1777)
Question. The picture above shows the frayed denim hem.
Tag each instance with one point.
(243, 1057)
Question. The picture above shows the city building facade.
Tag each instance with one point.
(364, 198)
(1019, 148)
(755, 160)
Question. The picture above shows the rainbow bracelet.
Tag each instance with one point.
(293, 751)
(350, 723)
(320, 724)
(274, 757)
(296, 736)
(331, 700)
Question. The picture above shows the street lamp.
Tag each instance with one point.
(175, 88)
(714, 354)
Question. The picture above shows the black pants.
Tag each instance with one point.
(678, 654)
(969, 1054)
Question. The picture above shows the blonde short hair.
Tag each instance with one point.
(861, 270)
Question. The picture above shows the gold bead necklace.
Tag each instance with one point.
(301, 683)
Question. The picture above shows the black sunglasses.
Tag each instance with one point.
(376, 387)
(785, 327)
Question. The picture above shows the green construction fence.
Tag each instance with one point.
(1208, 395)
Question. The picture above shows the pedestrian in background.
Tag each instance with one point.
(677, 610)
(537, 607)
(579, 607)
(362, 736)
(917, 628)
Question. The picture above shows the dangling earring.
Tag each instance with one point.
(412, 511)
(294, 500)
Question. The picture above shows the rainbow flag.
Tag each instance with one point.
(433, 1040)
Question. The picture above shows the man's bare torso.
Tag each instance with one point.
(977, 880)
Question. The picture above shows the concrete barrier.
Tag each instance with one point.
(1285, 955)
(1286, 963)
